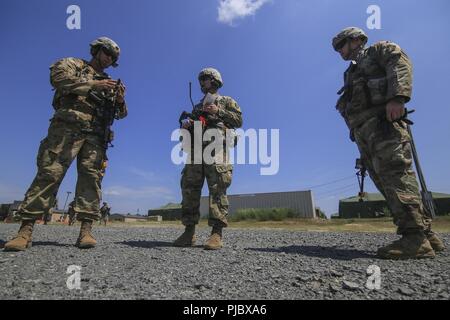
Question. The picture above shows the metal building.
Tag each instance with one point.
(373, 205)
(301, 202)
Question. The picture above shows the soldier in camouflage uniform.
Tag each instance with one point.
(224, 113)
(71, 212)
(377, 85)
(75, 132)
(105, 211)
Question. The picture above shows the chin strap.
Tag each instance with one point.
(354, 53)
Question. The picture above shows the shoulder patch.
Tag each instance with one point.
(226, 99)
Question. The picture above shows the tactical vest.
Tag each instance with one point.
(214, 121)
(364, 93)
(65, 103)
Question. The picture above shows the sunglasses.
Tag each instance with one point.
(340, 44)
(204, 78)
(109, 53)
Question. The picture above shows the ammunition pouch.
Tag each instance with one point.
(377, 90)
(367, 93)
(63, 100)
(362, 100)
(96, 98)
(104, 115)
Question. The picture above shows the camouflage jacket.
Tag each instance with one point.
(228, 117)
(105, 210)
(382, 72)
(72, 79)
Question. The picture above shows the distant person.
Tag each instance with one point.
(105, 212)
(377, 85)
(213, 112)
(48, 215)
(72, 213)
(79, 129)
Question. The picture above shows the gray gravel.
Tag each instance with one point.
(140, 263)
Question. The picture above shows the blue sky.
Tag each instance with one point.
(276, 62)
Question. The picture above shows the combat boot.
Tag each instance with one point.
(22, 241)
(215, 240)
(187, 239)
(85, 239)
(411, 246)
(435, 242)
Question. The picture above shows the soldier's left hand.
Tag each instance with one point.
(394, 110)
(211, 109)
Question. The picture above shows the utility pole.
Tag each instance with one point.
(64, 208)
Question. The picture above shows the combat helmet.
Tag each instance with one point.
(351, 32)
(213, 73)
(107, 44)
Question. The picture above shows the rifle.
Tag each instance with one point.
(199, 115)
(107, 111)
(361, 174)
(427, 196)
(187, 115)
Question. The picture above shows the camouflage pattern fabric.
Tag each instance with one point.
(218, 175)
(214, 73)
(381, 73)
(350, 32)
(69, 136)
(105, 211)
(229, 115)
(72, 79)
(71, 212)
(386, 153)
(219, 179)
(108, 44)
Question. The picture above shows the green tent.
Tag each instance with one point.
(374, 205)
(171, 211)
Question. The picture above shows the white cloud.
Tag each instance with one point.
(230, 10)
(146, 175)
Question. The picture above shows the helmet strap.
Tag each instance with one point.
(96, 60)
(353, 53)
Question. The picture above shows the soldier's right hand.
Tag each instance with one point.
(187, 123)
(394, 110)
(106, 84)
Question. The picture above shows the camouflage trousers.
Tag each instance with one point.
(386, 152)
(218, 177)
(63, 144)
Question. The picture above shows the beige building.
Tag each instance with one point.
(127, 218)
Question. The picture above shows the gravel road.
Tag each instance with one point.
(140, 263)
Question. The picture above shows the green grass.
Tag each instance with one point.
(440, 224)
(276, 214)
